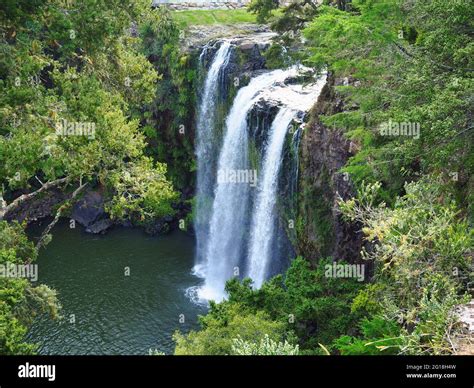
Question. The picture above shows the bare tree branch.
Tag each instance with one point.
(43, 239)
(26, 197)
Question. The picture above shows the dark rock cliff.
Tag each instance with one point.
(321, 231)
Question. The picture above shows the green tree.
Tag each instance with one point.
(223, 324)
(69, 65)
(266, 347)
(20, 300)
(412, 62)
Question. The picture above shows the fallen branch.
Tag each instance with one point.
(26, 197)
(43, 239)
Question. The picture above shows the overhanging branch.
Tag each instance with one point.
(26, 197)
(43, 238)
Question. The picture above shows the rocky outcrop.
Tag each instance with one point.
(89, 208)
(89, 212)
(260, 119)
(321, 231)
(239, 34)
(245, 61)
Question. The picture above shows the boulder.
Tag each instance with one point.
(89, 208)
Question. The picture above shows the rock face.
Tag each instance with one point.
(160, 226)
(89, 208)
(321, 230)
(89, 212)
(240, 33)
(246, 60)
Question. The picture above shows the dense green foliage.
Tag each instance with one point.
(76, 85)
(20, 300)
(170, 116)
(422, 257)
(222, 325)
(423, 264)
(413, 64)
(304, 303)
(266, 347)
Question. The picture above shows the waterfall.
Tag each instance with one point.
(206, 149)
(263, 221)
(234, 227)
(229, 212)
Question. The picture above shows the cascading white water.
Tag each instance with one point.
(206, 149)
(294, 98)
(263, 220)
(222, 241)
(228, 222)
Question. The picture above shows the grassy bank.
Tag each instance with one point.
(208, 17)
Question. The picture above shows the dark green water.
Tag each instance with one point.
(115, 313)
